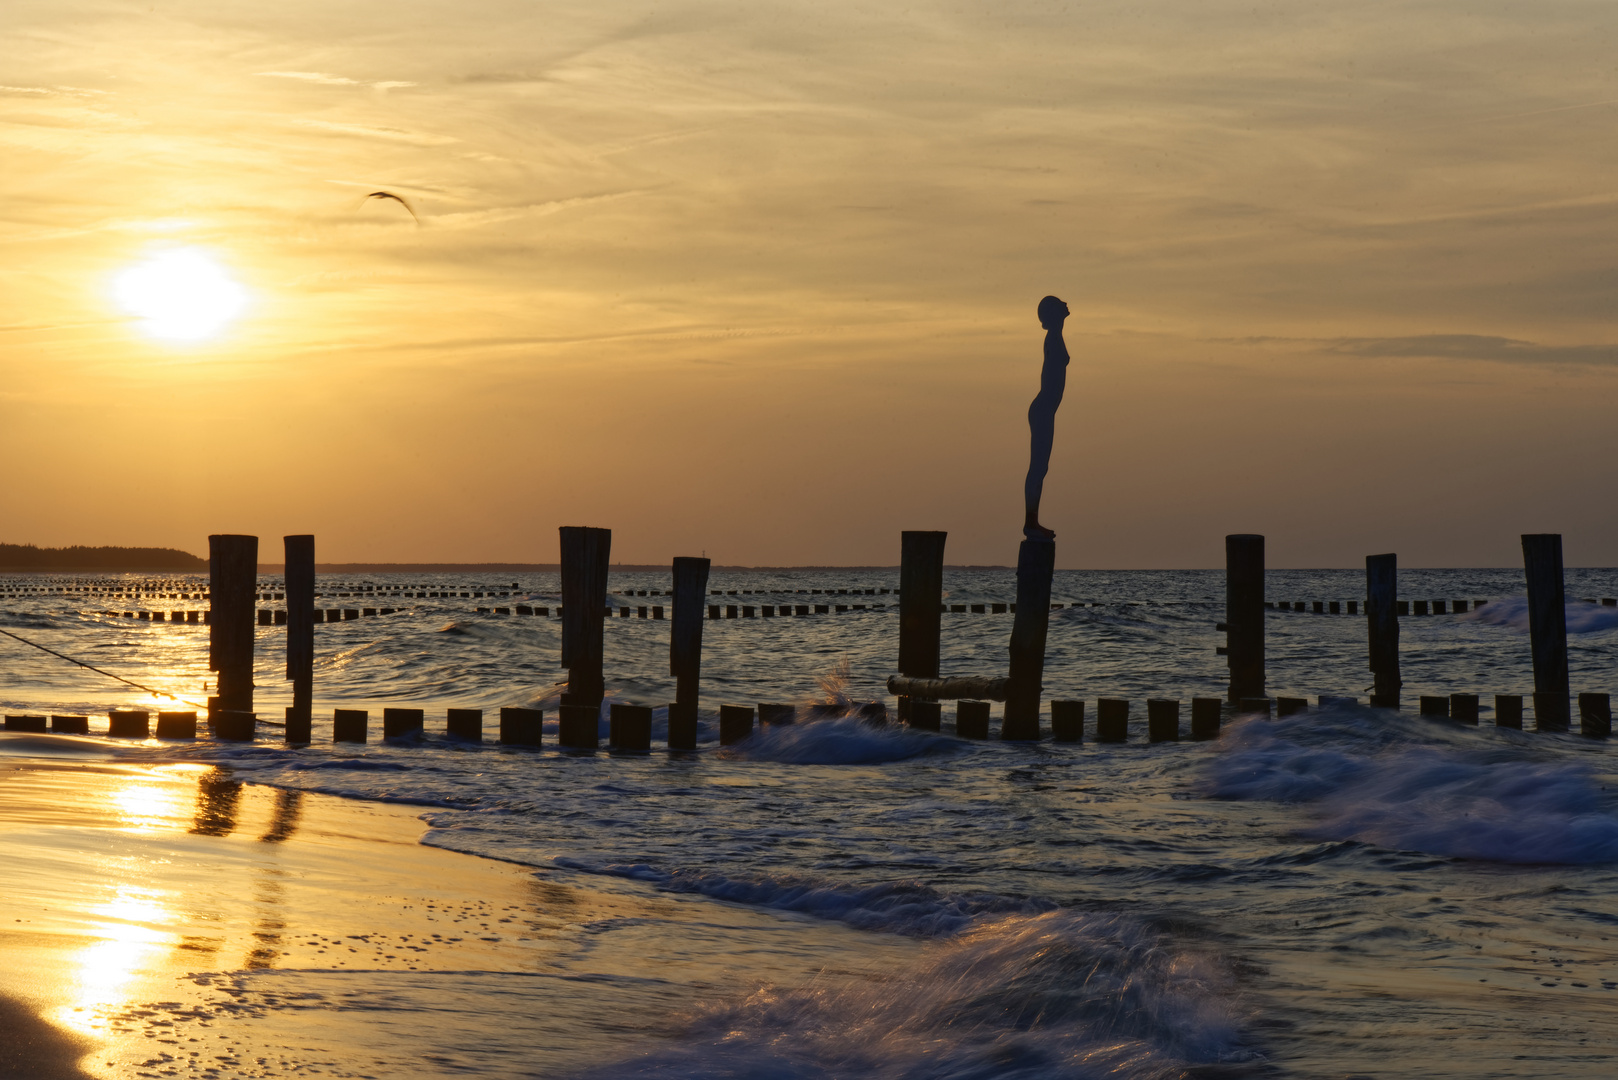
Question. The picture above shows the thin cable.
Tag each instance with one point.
(98, 671)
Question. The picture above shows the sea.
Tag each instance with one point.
(1344, 891)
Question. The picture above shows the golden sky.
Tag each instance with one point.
(758, 278)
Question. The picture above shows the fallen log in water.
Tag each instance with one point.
(983, 688)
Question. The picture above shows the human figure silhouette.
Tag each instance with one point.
(1042, 414)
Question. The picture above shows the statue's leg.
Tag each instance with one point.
(1042, 429)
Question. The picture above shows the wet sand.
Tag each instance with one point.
(171, 921)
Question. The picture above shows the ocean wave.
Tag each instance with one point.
(1582, 617)
(1369, 776)
(837, 740)
(1061, 994)
(907, 908)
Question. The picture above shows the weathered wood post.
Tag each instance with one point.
(1547, 628)
(1244, 614)
(685, 649)
(1382, 625)
(921, 596)
(233, 573)
(300, 579)
(1036, 564)
(585, 560)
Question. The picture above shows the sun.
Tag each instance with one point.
(180, 295)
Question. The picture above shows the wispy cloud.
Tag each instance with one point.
(326, 79)
(415, 138)
(1474, 347)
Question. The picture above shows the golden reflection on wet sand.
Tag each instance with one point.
(185, 921)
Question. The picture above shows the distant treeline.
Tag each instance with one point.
(79, 557)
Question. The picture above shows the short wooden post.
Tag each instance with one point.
(36, 724)
(1463, 708)
(403, 723)
(521, 727)
(1434, 705)
(972, 719)
(682, 725)
(176, 725)
(1112, 720)
(1547, 628)
(349, 725)
(735, 724)
(300, 579)
(579, 726)
(925, 715)
(772, 714)
(128, 724)
(233, 572)
(1382, 626)
(629, 728)
(465, 724)
(233, 726)
(1162, 720)
(1254, 707)
(71, 725)
(1244, 614)
(1595, 715)
(1290, 706)
(1067, 721)
(1036, 565)
(1508, 711)
(586, 555)
(1205, 717)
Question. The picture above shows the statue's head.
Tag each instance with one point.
(1052, 312)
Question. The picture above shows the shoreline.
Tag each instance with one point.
(175, 920)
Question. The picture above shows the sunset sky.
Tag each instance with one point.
(758, 279)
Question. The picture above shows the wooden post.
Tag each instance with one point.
(586, 555)
(300, 579)
(1112, 720)
(403, 723)
(924, 715)
(465, 724)
(521, 727)
(1067, 721)
(1244, 614)
(1205, 717)
(685, 641)
(128, 724)
(921, 594)
(972, 719)
(1463, 708)
(176, 725)
(1382, 624)
(348, 725)
(1162, 720)
(578, 727)
(1547, 628)
(1036, 563)
(630, 728)
(735, 723)
(1508, 711)
(233, 571)
(1595, 715)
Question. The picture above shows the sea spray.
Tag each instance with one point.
(1062, 994)
(1377, 777)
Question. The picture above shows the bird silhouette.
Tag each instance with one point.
(398, 199)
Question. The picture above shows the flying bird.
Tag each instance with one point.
(398, 199)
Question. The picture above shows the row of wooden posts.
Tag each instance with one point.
(585, 565)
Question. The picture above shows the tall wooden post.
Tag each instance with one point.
(685, 648)
(921, 595)
(586, 555)
(233, 574)
(300, 580)
(1382, 626)
(1547, 628)
(1036, 563)
(1244, 614)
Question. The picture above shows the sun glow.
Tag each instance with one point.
(180, 295)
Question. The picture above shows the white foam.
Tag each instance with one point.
(1370, 776)
(1582, 617)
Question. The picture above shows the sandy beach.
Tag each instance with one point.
(171, 921)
